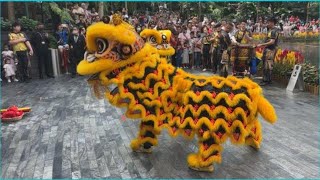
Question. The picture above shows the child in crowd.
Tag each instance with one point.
(9, 70)
(191, 50)
(197, 49)
(185, 55)
(8, 54)
(9, 63)
(179, 52)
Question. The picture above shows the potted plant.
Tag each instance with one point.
(311, 78)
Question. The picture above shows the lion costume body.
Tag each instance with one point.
(130, 73)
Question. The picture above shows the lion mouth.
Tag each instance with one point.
(90, 57)
(163, 46)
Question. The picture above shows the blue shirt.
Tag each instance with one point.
(64, 36)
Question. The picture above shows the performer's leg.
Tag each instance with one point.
(209, 153)
(191, 61)
(265, 67)
(255, 135)
(40, 64)
(270, 67)
(60, 48)
(147, 137)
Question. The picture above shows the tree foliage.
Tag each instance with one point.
(62, 12)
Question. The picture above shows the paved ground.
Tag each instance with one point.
(70, 134)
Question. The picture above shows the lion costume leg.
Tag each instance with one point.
(147, 137)
(209, 152)
(255, 135)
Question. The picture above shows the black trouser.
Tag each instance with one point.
(74, 61)
(216, 59)
(219, 58)
(43, 61)
(173, 59)
(23, 65)
(206, 56)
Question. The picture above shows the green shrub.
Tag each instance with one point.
(52, 42)
(282, 69)
(310, 74)
(63, 13)
(5, 24)
(27, 23)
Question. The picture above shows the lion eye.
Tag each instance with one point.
(164, 37)
(153, 39)
(102, 45)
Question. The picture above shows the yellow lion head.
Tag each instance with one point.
(160, 40)
(110, 47)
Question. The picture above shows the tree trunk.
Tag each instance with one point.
(306, 12)
(100, 11)
(11, 15)
(271, 9)
(199, 11)
(26, 6)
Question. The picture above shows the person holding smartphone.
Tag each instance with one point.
(21, 45)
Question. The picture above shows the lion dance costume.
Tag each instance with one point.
(130, 72)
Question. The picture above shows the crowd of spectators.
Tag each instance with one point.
(191, 37)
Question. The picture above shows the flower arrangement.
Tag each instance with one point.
(259, 36)
(310, 35)
(259, 53)
(305, 34)
(284, 62)
(289, 57)
(284, 56)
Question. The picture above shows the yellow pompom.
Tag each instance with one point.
(135, 144)
(193, 160)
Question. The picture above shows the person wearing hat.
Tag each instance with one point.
(270, 50)
(77, 45)
(40, 42)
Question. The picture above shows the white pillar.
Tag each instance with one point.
(55, 62)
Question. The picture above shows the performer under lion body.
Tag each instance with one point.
(162, 96)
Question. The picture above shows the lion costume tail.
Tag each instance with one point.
(266, 110)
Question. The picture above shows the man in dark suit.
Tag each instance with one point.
(40, 42)
(77, 45)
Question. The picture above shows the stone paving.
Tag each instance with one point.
(71, 134)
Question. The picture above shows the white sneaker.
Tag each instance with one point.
(9, 81)
(16, 80)
(204, 69)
